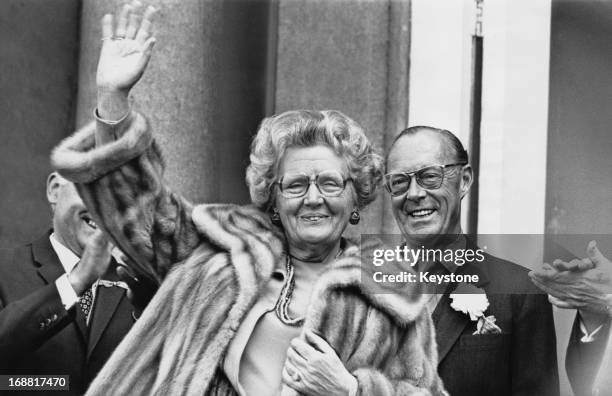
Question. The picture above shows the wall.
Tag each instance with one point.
(204, 90)
(580, 122)
(579, 164)
(217, 70)
(39, 41)
(350, 58)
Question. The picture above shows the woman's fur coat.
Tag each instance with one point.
(211, 262)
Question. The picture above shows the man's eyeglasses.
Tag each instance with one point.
(430, 177)
(330, 184)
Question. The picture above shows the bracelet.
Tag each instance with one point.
(111, 122)
(134, 316)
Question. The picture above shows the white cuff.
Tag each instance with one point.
(78, 159)
(67, 294)
(586, 336)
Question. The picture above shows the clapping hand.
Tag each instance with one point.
(313, 368)
(93, 264)
(126, 49)
(584, 284)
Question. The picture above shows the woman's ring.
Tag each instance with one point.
(113, 38)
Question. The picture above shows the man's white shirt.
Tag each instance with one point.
(69, 260)
(586, 336)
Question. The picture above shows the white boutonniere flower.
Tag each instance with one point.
(473, 301)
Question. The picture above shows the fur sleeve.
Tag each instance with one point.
(373, 382)
(121, 183)
(412, 371)
(384, 336)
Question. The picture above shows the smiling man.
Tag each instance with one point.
(62, 307)
(514, 353)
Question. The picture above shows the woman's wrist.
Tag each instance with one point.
(113, 104)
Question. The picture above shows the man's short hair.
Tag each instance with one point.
(453, 143)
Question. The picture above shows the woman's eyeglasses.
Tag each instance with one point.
(430, 177)
(329, 183)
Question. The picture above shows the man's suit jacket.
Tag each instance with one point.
(583, 360)
(522, 360)
(38, 336)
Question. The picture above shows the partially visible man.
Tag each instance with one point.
(511, 349)
(63, 309)
(586, 285)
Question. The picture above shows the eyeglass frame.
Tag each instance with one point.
(412, 174)
(313, 179)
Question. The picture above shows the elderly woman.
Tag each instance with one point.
(258, 300)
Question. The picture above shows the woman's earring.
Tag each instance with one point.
(354, 217)
(275, 217)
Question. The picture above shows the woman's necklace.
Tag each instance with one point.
(282, 304)
(284, 299)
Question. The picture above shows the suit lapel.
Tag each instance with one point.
(81, 323)
(50, 268)
(449, 323)
(106, 303)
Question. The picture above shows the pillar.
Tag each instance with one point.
(351, 56)
(39, 41)
(204, 90)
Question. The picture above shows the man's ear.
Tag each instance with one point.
(467, 178)
(54, 182)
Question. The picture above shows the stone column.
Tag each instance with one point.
(351, 56)
(204, 91)
(39, 41)
(179, 92)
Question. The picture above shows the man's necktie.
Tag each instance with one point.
(86, 302)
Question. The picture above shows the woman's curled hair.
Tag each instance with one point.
(306, 128)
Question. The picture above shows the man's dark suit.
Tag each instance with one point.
(38, 336)
(520, 361)
(583, 359)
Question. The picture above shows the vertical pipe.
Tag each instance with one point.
(475, 121)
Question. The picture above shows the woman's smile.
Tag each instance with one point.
(314, 218)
